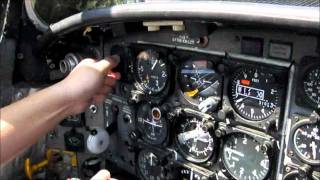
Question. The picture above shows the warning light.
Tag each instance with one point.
(245, 82)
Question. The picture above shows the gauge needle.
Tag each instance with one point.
(153, 124)
(234, 152)
(314, 149)
(154, 64)
(150, 159)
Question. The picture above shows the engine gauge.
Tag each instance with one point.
(198, 79)
(254, 93)
(194, 143)
(152, 124)
(311, 85)
(148, 165)
(243, 158)
(152, 72)
(306, 141)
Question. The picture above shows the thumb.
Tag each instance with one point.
(102, 175)
(107, 64)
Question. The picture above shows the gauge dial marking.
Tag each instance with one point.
(152, 72)
(198, 80)
(194, 143)
(306, 140)
(148, 165)
(311, 85)
(254, 93)
(243, 158)
(153, 127)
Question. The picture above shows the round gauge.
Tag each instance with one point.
(198, 79)
(295, 175)
(194, 143)
(152, 125)
(148, 165)
(311, 85)
(152, 72)
(254, 93)
(243, 158)
(306, 140)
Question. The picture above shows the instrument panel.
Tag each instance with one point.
(205, 116)
(183, 114)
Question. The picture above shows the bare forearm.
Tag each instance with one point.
(25, 121)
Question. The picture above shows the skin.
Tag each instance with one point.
(24, 122)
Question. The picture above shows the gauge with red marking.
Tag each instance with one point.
(306, 140)
(254, 93)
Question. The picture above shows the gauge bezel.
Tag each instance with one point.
(224, 161)
(230, 90)
(40, 24)
(192, 101)
(259, 136)
(309, 64)
(297, 125)
(165, 121)
(280, 73)
(293, 174)
(188, 156)
(138, 169)
(138, 80)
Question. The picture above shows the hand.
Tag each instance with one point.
(90, 82)
(101, 175)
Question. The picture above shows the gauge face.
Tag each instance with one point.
(152, 125)
(254, 93)
(148, 164)
(311, 85)
(152, 72)
(194, 143)
(306, 140)
(198, 79)
(243, 158)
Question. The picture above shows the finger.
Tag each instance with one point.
(87, 61)
(114, 75)
(107, 64)
(105, 90)
(109, 81)
(102, 175)
(99, 98)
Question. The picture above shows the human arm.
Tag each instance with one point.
(24, 122)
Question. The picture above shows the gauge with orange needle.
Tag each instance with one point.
(198, 79)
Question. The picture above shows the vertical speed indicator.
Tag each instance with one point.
(254, 93)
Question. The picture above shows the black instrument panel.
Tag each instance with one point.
(190, 107)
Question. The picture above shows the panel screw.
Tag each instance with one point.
(93, 108)
(291, 153)
(20, 56)
(287, 169)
